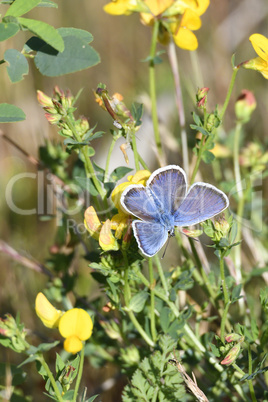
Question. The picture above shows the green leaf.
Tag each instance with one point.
(68, 396)
(137, 302)
(197, 119)
(137, 112)
(208, 157)
(87, 184)
(119, 173)
(201, 129)
(44, 31)
(7, 30)
(77, 55)
(10, 113)
(236, 293)
(59, 363)
(165, 317)
(92, 398)
(47, 3)
(18, 65)
(20, 7)
(78, 33)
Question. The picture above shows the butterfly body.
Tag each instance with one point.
(165, 204)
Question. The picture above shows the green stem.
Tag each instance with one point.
(228, 96)
(240, 371)
(250, 383)
(210, 291)
(135, 152)
(223, 281)
(173, 61)
(79, 375)
(88, 164)
(152, 285)
(127, 294)
(224, 321)
(153, 89)
(198, 160)
(144, 165)
(240, 209)
(161, 274)
(106, 173)
(238, 129)
(51, 378)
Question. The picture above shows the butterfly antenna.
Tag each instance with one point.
(164, 253)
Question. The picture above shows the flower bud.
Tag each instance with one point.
(231, 355)
(245, 105)
(233, 337)
(192, 233)
(130, 355)
(221, 225)
(43, 99)
(212, 122)
(201, 97)
(52, 118)
(84, 125)
(111, 329)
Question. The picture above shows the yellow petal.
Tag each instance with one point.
(76, 322)
(118, 7)
(191, 20)
(119, 223)
(140, 177)
(72, 344)
(186, 39)
(107, 240)
(158, 6)
(257, 64)
(47, 313)
(92, 222)
(201, 6)
(260, 44)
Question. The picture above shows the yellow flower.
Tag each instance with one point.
(47, 313)
(120, 7)
(178, 17)
(99, 231)
(107, 240)
(190, 21)
(260, 45)
(75, 325)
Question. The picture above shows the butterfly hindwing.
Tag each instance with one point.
(203, 201)
(169, 187)
(150, 236)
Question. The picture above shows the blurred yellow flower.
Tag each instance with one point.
(75, 325)
(178, 17)
(260, 45)
(47, 313)
(99, 231)
(120, 7)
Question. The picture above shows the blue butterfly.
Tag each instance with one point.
(165, 203)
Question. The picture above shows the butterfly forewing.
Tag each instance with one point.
(150, 236)
(203, 201)
(136, 200)
(169, 186)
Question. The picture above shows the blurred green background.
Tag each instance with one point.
(122, 42)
